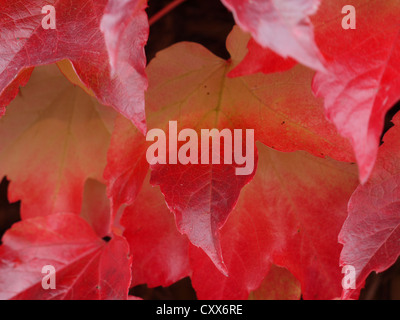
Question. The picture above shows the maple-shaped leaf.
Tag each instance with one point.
(202, 196)
(86, 267)
(159, 251)
(371, 233)
(279, 284)
(281, 25)
(363, 80)
(107, 51)
(189, 84)
(54, 137)
(289, 215)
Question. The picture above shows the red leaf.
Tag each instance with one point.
(289, 215)
(121, 20)
(283, 26)
(363, 80)
(371, 233)
(159, 251)
(189, 84)
(201, 196)
(77, 37)
(86, 266)
(126, 164)
(279, 107)
(260, 59)
(190, 87)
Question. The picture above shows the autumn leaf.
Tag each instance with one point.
(160, 255)
(289, 215)
(362, 82)
(281, 25)
(90, 41)
(191, 81)
(54, 137)
(259, 59)
(122, 22)
(86, 266)
(159, 251)
(202, 196)
(110, 208)
(127, 165)
(189, 84)
(370, 235)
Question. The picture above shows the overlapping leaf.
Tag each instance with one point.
(194, 90)
(281, 25)
(290, 215)
(189, 84)
(202, 196)
(371, 233)
(86, 266)
(54, 137)
(127, 165)
(159, 251)
(119, 83)
(259, 59)
(362, 82)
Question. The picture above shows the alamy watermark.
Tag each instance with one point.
(49, 20)
(349, 278)
(233, 143)
(349, 21)
(49, 280)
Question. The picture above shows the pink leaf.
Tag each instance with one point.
(77, 36)
(281, 25)
(371, 233)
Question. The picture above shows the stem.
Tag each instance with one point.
(164, 11)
